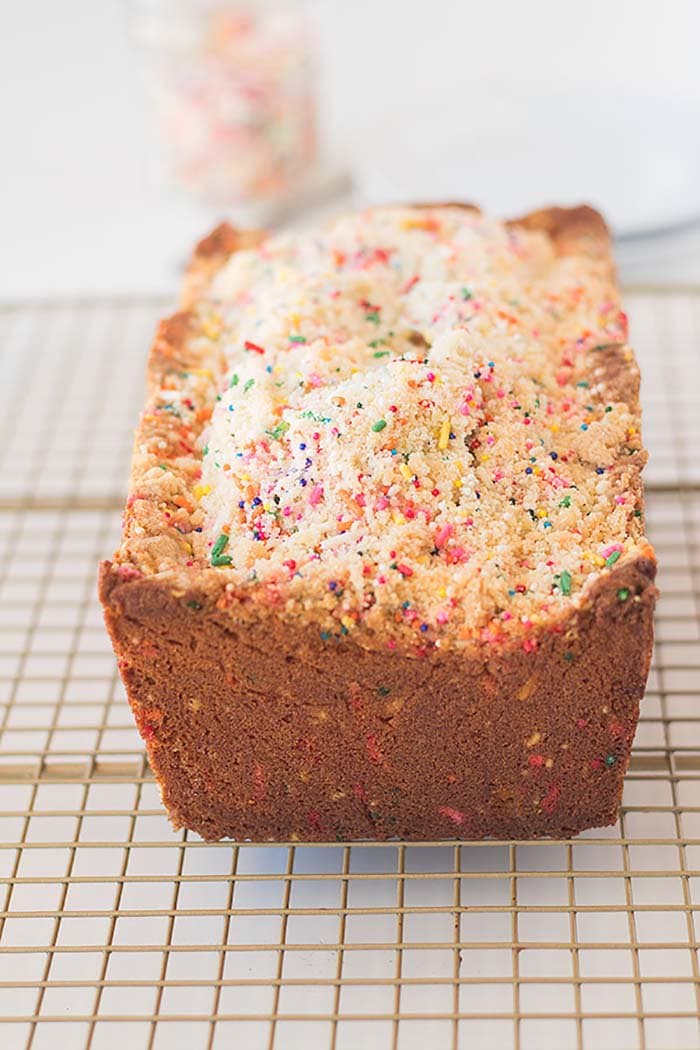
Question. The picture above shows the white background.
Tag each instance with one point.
(83, 204)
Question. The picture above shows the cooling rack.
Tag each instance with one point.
(115, 931)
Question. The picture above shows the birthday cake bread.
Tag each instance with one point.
(383, 570)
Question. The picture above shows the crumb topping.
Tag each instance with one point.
(424, 430)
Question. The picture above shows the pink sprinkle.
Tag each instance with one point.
(443, 533)
(442, 616)
(500, 392)
(382, 503)
(286, 512)
(551, 798)
(315, 379)
(316, 495)
(455, 815)
(607, 551)
(536, 760)
(464, 410)
(430, 377)
(530, 645)
(410, 283)
(620, 500)
(582, 723)
(405, 570)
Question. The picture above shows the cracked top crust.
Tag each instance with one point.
(415, 426)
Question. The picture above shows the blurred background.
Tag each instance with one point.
(130, 126)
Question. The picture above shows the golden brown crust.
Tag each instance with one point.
(215, 680)
(265, 732)
(212, 252)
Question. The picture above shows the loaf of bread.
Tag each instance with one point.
(383, 570)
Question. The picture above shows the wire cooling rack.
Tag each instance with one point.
(115, 931)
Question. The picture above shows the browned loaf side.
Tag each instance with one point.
(259, 725)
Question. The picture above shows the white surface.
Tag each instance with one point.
(84, 207)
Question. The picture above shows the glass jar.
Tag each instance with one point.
(234, 87)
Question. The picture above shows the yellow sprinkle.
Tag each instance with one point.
(442, 593)
(399, 519)
(457, 483)
(206, 372)
(405, 470)
(554, 427)
(210, 330)
(444, 435)
(201, 490)
(541, 513)
(347, 622)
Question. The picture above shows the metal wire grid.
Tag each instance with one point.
(115, 929)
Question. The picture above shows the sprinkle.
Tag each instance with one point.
(297, 339)
(623, 594)
(566, 502)
(277, 431)
(254, 347)
(466, 294)
(610, 760)
(444, 436)
(234, 380)
(379, 425)
(612, 558)
(584, 426)
(249, 383)
(565, 582)
(373, 316)
(217, 556)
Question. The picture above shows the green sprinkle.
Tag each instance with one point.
(566, 502)
(379, 425)
(217, 556)
(610, 760)
(277, 431)
(466, 294)
(608, 408)
(637, 513)
(382, 353)
(584, 383)
(373, 316)
(234, 380)
(612, 558)
(247, 385)
(193, 604)
(383, 690)
(163, 466)
(205, 450)
(623, 594)
(359, 405)
(297, 339)
(565, 582)
(569, 657)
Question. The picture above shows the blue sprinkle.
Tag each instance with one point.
(405, 605)
(302, 445)
(325, 635)
(333, 585)
(547, 524)
(491, 364)
(241, 503)
(424, 627)
(268, 368)
(553, 455)
(308, 462)
(600, 470)
(394, 452)
(302, 482)
(256, 501)
(584, 426)
(528, 470)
